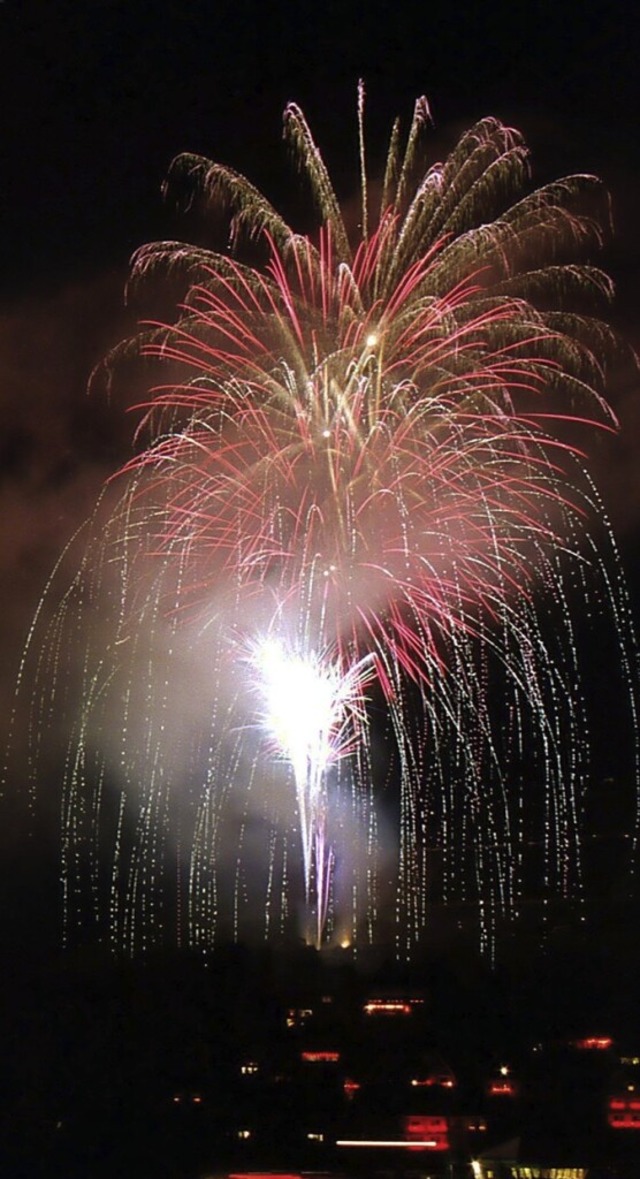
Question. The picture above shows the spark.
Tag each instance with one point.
(310, 707)
(369, 452)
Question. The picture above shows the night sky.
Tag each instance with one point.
(98, 97)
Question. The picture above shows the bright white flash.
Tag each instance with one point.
(308, 703)
(310, 709)
(304, 704)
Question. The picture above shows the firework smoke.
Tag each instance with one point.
(367, 456)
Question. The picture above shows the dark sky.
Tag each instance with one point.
(99, 95)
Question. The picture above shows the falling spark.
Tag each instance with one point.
(309, 704)
(371, 453)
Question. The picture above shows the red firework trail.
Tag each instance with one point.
(368, 452)
(330, 436)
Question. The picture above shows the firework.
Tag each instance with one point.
(360, 461)
(309, 705)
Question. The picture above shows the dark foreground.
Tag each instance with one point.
(292, 1061)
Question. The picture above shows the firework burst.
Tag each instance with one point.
(365, 455)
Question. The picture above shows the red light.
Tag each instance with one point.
(425, 1123)
(624, 1121)
(427, 1131)
(624, 1113)
(320, 1057)
(593, 1043)
(350, 1087)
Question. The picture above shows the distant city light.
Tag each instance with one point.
(298, 1016)
(593, 1043)
(393, 1143)
(624, 1113)
(387, 1007)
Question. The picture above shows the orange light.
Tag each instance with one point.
(502, 1089)
(298, 1016)
(591, 1043)
(387, 1007)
